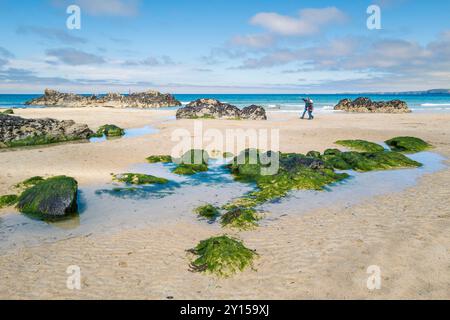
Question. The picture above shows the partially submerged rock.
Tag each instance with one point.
(361, 145)
(53, 198)
(159, 159)
(222, 256)
(408, 144)
(192, 162)
(109, 130)
(214, 109)
(365, 105)
(139, 179)
(148, 99)
(16, 131)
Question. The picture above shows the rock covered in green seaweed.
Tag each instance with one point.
(139, 178)
(222, 256)
(159, 159)
(192, 162)
(408, 144)
(50, 199)
(30, 182)
(361, 145)
(8, 200)
(109, 130)
(7, 111)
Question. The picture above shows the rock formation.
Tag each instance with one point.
(17, 131)
(214, 109)
(148, 99)
(365, 105)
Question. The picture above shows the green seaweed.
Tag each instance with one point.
(7, 111)
(30, 182)
(227, 155)
(222, 256)
(408, 144)
(109, 130)
(139, 179)
(190, 169)
(192, 162)
(38, 140)
(208, 211)
(159, 159)
(240, 217)
(38, 200)
(369, 161)
(8, 200)
(361, 145)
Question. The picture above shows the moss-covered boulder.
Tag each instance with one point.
(30, 182)
(208, 211)
(139, 179)
(7, 111)
(369, 161)
(159, 159)
(50, 199)
(8, 200)
(360, 145)
(109, 130)
(408, 144)
(192, 162)
(222, 256)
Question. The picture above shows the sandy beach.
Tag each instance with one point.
(323, 253)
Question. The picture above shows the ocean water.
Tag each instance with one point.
(324, 103)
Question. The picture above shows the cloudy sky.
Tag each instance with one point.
(216, 46)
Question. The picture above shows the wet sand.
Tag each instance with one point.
(323, 253)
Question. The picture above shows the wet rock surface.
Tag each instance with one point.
(366, 105)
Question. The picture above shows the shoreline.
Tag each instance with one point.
(320, 254)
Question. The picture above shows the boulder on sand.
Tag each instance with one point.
(365, 105)
(148, 99)
(214, 109)
(50, 199)
(17, 131)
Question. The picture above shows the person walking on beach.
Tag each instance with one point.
(309, 107)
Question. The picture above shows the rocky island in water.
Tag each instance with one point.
(148, 99)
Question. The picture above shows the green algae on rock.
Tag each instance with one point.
(159, 159)
(7, 111)
(50, 199)
(222, 256)
(109, 130)
(138, 179)
(8, 200)
(369, 161)
(192, 162)
(408, 144)
(30, 182)
(360, 145)
(208, 211)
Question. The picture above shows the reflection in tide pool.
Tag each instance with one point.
(115, 206)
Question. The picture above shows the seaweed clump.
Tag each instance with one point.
(240, 217)
(7, 111)
(8, 200)
(222, 256)
(139, 179)
(192, 162)
(408, 144)
(30, 182)
(109, 130)
(361, 145)
(208, 211)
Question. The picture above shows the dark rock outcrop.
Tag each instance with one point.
(365, 105)
(17, 131)
(214, 109)
(50, 199)
(148, 99)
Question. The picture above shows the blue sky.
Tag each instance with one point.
(218, 46)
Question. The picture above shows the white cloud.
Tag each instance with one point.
(309, 21)
(253, 40)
